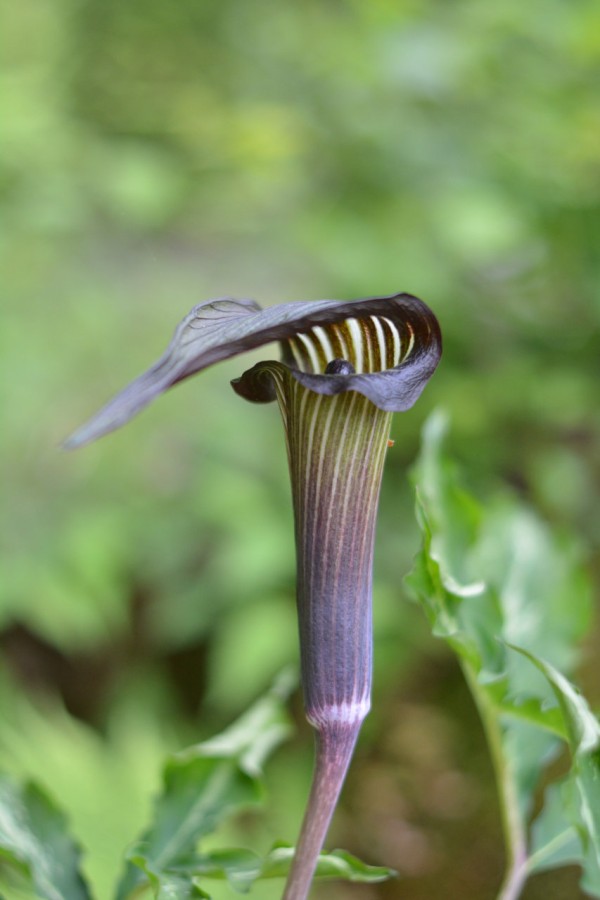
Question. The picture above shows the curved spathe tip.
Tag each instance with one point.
(219, 329)
(411, 332)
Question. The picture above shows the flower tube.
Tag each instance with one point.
(344, 368)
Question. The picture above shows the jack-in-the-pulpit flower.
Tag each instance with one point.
(344, 368)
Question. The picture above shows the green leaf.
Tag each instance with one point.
(237, 866)
(493, 572)
(554, 841)
(336, 864)
(494, 580)
(166, 886)
(201, 787)
(457, 603)
(242, 868)
(583, 782)
(34, 840)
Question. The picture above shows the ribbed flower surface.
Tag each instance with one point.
(346, 366)
(336, 449)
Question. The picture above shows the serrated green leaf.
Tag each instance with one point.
(202, 786)
(492, 580)
(494, 572)
(459, 605)
(34, 839)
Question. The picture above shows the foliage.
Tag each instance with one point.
(202, 786)
(33, 838)
(505, 594)
(155, 155)
(510, 599)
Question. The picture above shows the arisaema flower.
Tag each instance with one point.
(345, 367)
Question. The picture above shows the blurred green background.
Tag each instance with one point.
(155, 155)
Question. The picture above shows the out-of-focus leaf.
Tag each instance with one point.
(458, 606)
(34, 839)
(204, 785)
(492, 581)
(554, 841)
(583, 727)
(238, 866)
(498, 572)
(201, 787)
(103, 781)
(242, 869)
(337, 864)
(583, 805)
(163, 885)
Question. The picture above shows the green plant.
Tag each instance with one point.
(512, 602)
(509, 599)
(203, 786)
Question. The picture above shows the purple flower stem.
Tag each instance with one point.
(337, 450)
(334, 748)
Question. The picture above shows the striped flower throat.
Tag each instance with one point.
(370, 344)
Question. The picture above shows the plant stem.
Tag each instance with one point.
(334, 746)
(513, 826)
(514, 880)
